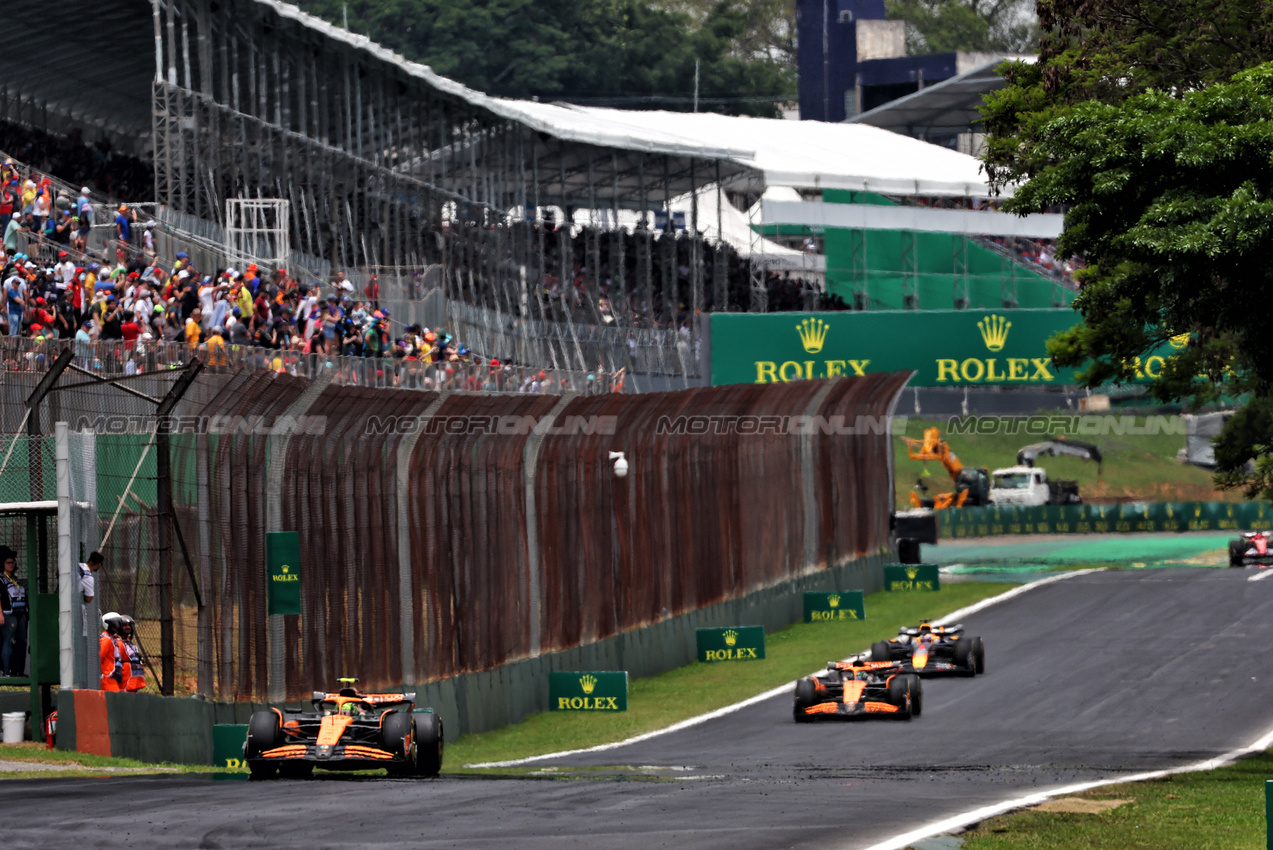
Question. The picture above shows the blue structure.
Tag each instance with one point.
(852, 60)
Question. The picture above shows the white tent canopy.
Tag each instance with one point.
(799, 154)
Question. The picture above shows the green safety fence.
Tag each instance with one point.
(957, 523)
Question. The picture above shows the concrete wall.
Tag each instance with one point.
(179, 730)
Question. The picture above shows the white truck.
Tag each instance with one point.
(1029, 485)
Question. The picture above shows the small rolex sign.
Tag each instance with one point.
(227, 747)
(588, 691)
(911, 577)
(736, 643)
(283, 561)
(835, 607)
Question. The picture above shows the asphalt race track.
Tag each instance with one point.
(1100, 675)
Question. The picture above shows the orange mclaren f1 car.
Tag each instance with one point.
(859, 689)
(347, 730)
(927, 649)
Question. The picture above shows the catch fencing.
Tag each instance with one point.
(450, 532)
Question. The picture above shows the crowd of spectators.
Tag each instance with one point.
(75, 160)
(622, 292)
(50, 289)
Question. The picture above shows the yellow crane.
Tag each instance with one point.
(972, 484)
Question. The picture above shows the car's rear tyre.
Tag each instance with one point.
(899, 694)
(263, 771)
(295, 771)
(917, 694)
(979, 655)
(806, 695)
(429, 744)
(881, 651)
(908, 549)
(1236, 550)
(964, 659)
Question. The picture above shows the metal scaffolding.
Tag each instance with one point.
(543, 246)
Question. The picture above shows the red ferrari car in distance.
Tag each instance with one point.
(1253, 547)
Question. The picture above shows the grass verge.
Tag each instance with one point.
(1136, 467)
(45, 763)
(658, 701)
(1219, 809)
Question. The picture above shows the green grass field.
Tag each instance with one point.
(1135, 468)
(1214, 810)
(14, 759)
(659, 701)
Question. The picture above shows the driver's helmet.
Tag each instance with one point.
(350, 709)
(861, 675)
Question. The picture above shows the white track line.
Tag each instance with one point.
(900, 842)
(770, 694)
(1265, 573)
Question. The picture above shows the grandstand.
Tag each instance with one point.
(545, 234)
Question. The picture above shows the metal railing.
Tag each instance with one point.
(115, 357)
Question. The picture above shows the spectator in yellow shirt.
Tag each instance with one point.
(216, 348)
(193, 331)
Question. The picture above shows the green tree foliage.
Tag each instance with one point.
(942, 26)
(1140, 121)
(611, 52)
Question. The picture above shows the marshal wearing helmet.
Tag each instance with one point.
(347, 730)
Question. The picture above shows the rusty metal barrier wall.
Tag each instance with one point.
(470, 555)
(702, 517)
(518, 539)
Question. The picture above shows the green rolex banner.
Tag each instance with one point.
(834, 607)
(588, 691)
(946, 348)
(1129, 517)
(735, 643)
(227, 746)
(283, 562)
(911, 577)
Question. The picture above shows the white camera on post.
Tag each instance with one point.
(620, 464)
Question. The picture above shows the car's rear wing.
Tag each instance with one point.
(856, 664)
(914, 631)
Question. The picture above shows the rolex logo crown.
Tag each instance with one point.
(911, 572)
(994, 332)
(834, 600)
(588, 683)
(731, 637)
(813, 332)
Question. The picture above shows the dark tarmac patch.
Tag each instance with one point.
(1101, 675)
